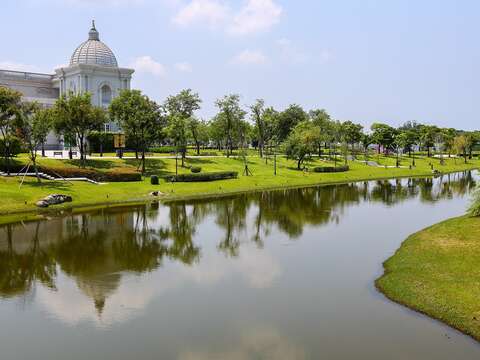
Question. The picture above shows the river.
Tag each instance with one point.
(283, 274)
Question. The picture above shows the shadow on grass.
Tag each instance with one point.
(49, 185)
(152, 166)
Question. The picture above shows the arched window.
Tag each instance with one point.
(106, 94)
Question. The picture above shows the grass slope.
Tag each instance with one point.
(15, 199)
(436, 271)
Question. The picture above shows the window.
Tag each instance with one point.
(106, 94)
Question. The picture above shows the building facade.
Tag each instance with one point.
(93, 68)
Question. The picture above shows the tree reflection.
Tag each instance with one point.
(96, 249)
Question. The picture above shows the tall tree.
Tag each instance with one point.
(10, 102)
(180, 110)
(230, 116)
(258, 116)
(139, 117)
(383, 135)
(288, 119)
(34, 124)
(301, 142)
(74, 113)
(352, 134)
(461, 144)
(427, 137)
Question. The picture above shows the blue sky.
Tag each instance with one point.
(362, 60)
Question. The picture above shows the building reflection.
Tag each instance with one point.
(96, 250)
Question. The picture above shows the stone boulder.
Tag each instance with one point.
(53, 199)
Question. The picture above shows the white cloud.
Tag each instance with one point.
(249, 57)
(145, 64)
(101, 2)
(183, 67)
(255, 16)
(212, 12)
(11, 65)
(290, 53)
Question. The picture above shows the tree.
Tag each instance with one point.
(301, 142)
(288, 119)
(401, 142)
(427, 137)
(177, 131)
(352, 134)
(258, 117)
(139, 117)
(75, 114)
(180, 109)
(10, 101)
(366, 142)
(448, 138)
(383, 135)
(322, 120)
(198, 131)
(230, 117)
(34, 125)
(460, 144)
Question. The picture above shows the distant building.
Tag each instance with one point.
(93, 68)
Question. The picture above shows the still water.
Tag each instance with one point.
(273, 275)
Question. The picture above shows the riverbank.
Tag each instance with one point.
(436, 272)
(19, 202)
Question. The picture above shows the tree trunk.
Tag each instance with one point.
(7, 157)
(43, 148)
(143, 160)
(101, 149)
(198, 148)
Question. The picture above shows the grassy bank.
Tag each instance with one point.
(16, 200)
(436, 271)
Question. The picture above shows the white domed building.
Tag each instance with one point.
(93, 68)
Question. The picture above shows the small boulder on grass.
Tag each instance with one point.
(195, 169)
(53, 199)
(154, 180)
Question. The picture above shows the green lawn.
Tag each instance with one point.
(15, 199)
(437, 272)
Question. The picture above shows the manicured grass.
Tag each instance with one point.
(15, 199)
(436, 271)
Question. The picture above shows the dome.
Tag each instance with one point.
(93, 52)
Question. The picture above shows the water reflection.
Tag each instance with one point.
(102, 250)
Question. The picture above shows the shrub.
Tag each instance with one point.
(114, 175)
(330, 169)
(213, 176)
(154, 180)
(195, 169)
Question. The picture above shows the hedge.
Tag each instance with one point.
(330, 169)
(114, 175)
(163, 149)
(212, 176)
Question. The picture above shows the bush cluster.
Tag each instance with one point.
(212, 176)
(195, 169)
(163, 149)
(330, 169)
(154, 180)
(114, 175)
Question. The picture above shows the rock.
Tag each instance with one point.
(156, 193)
(42, 204)
(53, 199)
